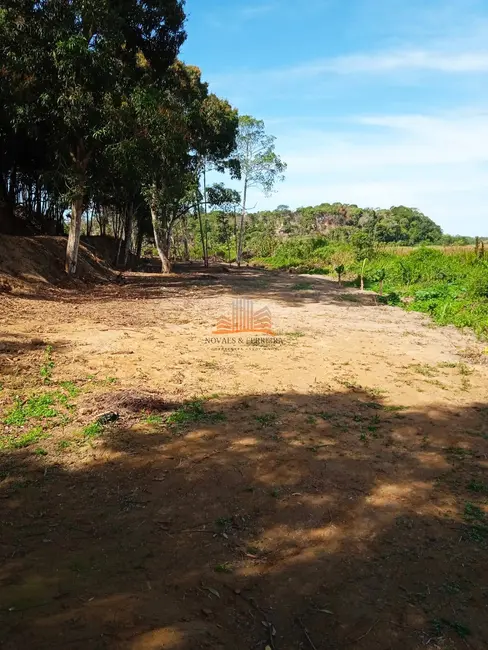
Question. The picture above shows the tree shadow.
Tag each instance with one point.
(19, 354)
(242, 522)
(201, 283)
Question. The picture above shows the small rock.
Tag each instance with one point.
(207, 612)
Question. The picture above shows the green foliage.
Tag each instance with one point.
(473, 512)
(191, 412)
(302, 252)
(101, 116)
(154, 419)
(340, 271)
(451, 287)
(69, 72)
(478, 486)
(70, 388)
(47, 368)
(39, 407)
(23, 440)
(92, 430)
(267, 419)
(259, 164)
(363, 245)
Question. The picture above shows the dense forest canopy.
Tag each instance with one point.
(398, 224)
(337, 222)
(100, 118)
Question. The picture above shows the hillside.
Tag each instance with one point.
(28, 263)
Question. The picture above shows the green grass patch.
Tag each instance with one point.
(93, 430)
(439, 625)
(478, 486)
(23, 440)
(473, 513)
(450, 286)
(424, 369)
(267, 419)
(155, 420)
(47, 367)
(223, 568)
(39, 407)
(191, 412)
(72, 390)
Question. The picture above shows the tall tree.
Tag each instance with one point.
(177, 130)
(90, 55)
(260, 166)
(225, 201)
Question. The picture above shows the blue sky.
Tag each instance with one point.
(373, 102)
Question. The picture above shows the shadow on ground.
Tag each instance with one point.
(292, 290)
(324, 521)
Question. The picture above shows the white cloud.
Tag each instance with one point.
(425, 156)
(386, 141)
(380, 63)
(437, 164)
(253, 11)
(400, 60)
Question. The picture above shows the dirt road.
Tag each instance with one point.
(324, 488)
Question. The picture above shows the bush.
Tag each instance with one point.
(450, 286)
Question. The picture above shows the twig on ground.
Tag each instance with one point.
(305, 631)
(366, 633)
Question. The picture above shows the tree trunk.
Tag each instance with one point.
(129, 218)
(12, 187)
(202, 236)
(38, 199)
(162, 243)
(140, 237)
(236, 238)
(6, 210)
(242, 225)
(186, 250)
(81, 159)
(74, 236)
(206, 212)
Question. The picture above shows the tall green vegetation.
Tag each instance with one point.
(98, 117)
(260, 166)
(402, 225)
(450, 286)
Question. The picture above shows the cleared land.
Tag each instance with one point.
(328, 490)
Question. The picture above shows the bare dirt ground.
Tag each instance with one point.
(326, 490)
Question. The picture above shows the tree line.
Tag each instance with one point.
(349, 224)
(102, 124)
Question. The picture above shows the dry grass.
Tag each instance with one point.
(447, 250)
